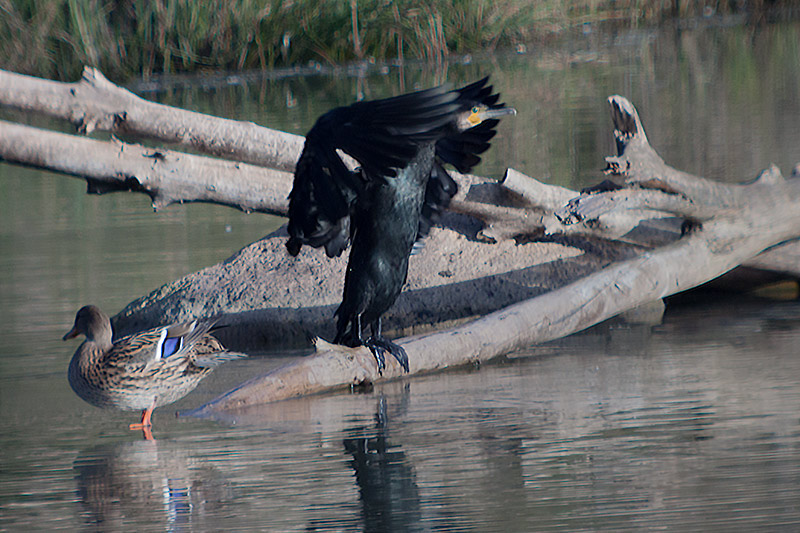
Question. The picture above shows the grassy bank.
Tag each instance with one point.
(126, 38)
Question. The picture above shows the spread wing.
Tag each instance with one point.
(459, 147)
(383, 136)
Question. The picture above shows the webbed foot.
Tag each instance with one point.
(380, 347)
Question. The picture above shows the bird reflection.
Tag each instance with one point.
(388, 491)
(146, 483)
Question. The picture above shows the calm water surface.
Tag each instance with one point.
(689, 425)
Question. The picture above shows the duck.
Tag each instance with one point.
(382, 209)
(145, 370)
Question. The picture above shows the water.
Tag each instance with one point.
(690, 425)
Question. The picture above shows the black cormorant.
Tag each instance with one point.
(392, 199)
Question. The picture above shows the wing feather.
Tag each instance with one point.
(383, 136)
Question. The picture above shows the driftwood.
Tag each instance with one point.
(166, 176)
(729, 225)
(516, 206)
(94, 103)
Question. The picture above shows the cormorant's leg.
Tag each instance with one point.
(377, 351)
(380, 346)
(359, 337)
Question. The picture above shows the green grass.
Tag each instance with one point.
(56, 38)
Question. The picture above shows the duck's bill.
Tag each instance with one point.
(71, 334)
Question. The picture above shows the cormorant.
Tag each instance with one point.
(393, 199)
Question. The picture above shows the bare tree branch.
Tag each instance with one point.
(164, 175)
(518, 206)
(94, 103)
(766, 215)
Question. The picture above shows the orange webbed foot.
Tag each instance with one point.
(145, 424)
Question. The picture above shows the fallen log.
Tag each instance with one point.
(166, 176)
(95, 104)
(732, 223)
(516, 207)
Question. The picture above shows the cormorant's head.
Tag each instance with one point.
(480, 113)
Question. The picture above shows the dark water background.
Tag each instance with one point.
(689, 425)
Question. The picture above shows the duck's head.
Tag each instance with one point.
(93, 323)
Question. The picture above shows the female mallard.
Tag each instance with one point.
(144, 370)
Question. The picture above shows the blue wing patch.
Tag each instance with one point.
(170, 346)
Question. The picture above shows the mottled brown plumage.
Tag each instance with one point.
(144, 370)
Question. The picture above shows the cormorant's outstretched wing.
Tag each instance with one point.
(461, 150)
(440, 190)
(321, 200)
(383, 136)
(459, 147)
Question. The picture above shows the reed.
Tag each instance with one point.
(140, 37)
